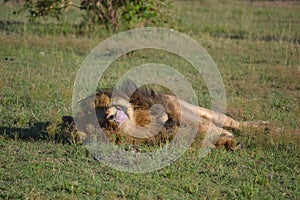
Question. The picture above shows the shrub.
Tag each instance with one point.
(111, 13)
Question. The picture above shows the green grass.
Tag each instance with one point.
(256, 48)
(50, 170)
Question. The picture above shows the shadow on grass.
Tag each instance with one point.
(60, 132)
(37, 131)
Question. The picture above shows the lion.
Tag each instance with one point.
(142, 115)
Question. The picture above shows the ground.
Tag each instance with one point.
(256, 48)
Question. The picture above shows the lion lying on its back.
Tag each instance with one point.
(147, 116)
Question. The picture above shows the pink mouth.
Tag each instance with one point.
(121, 116)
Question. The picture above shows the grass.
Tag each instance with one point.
(50, 170)
(256, 48)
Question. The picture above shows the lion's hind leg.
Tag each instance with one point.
(216, 136)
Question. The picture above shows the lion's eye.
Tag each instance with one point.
(112, 117)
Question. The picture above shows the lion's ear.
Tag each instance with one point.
(127, 87)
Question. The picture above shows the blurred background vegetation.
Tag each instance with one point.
(113, 14)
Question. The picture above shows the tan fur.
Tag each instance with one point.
(141, 118)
